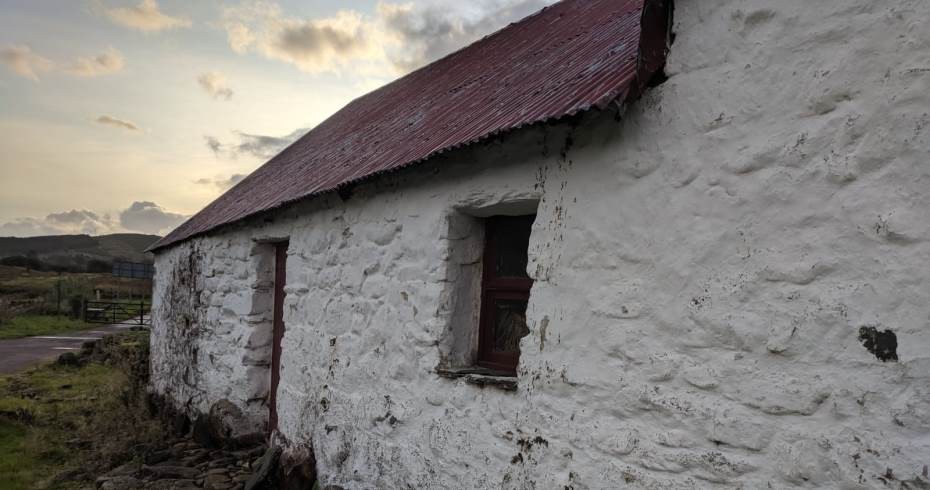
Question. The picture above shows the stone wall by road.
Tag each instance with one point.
(732, 282)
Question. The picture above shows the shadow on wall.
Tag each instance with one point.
(257, 356)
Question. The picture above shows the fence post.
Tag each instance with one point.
(142, 311)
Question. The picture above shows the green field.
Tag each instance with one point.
(30, 325)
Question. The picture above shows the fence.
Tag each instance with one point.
(113, 312)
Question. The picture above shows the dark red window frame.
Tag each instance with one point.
(496, 287)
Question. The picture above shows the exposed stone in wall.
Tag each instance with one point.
(180, 314)
(703, 272)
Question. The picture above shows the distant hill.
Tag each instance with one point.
(77, 252)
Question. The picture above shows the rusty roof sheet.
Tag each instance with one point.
(569, 57)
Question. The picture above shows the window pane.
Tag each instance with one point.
(511, 242)
(509, 324)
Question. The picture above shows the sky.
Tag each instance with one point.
(131, 115)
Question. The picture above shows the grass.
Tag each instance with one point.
(16, 466)
(129, 302)
(30, 325)
(60, 426)
(43, 409)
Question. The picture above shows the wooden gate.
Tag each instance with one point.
(117, 312)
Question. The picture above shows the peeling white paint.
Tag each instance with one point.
(702, 271)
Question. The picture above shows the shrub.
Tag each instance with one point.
(76, 305)
(30, 263)
(99, 266)
(6, 310)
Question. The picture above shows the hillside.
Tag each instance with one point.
(75, 251)
(130, 246)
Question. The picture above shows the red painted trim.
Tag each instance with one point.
(280, 279)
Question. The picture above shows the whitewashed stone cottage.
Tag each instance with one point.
(540, 263)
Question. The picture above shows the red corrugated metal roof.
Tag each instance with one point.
(569, 57)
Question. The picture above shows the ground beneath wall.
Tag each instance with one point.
(184, 465)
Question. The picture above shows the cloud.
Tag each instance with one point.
(311, 42)
(257, 145)
(25, 63)
(233, 180)
(265, 146)
(103, 64)
(214, 145)
(24, 227)
(145, 17)
(141, 216)
(72, 217)
(148, 217)
(312, 45)
(64, 223)
(117, 123)
(221, 183)
(215, 85)
(429, 31)
(397, 38)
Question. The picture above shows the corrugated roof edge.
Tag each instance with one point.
(157, 246)
(648, 62)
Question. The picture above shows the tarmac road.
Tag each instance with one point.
(19, 354)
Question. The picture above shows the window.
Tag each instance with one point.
(505, 291)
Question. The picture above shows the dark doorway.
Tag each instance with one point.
(280, 279)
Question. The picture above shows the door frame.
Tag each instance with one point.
(277, 328)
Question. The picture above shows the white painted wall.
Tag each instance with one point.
(702, 272)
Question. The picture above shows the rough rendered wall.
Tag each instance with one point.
(704, 272)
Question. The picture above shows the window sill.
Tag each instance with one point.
(481, 377)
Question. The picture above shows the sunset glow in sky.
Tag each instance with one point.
(130, 115)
